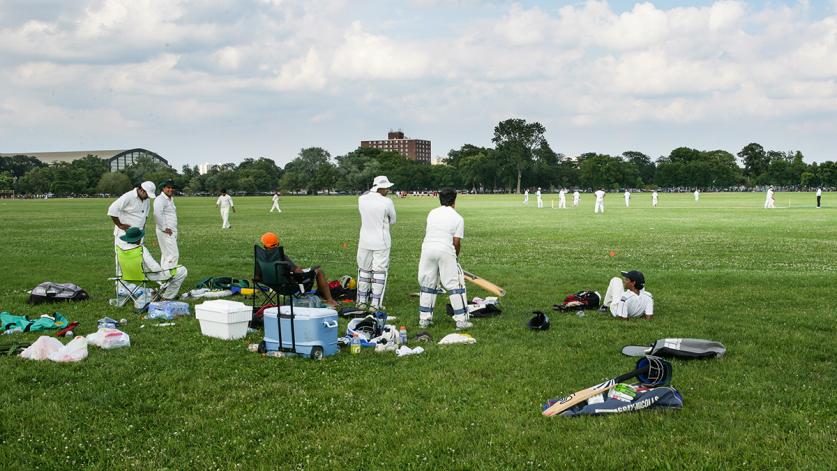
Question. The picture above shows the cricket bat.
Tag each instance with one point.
(484, 284)
(577, 398)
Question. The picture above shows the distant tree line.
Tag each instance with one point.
(521, 158)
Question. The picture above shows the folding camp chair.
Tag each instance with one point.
(133, 281)
(273, 281)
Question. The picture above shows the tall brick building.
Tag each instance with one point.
(413, 149)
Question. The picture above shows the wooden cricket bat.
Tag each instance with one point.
(577, 398)
(484, 284)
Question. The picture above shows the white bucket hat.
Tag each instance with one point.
(150, 189)
(381, 182)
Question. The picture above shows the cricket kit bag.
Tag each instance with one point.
(678, 348)
(665, 397)
(582, 300)
(222, 283)
(49, 292)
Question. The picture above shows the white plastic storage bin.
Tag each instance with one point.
(315, 330)
(224, 319)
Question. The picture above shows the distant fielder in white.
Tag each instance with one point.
(599, 207)
(562, 199)
(697, 196)
(626, 298)
(770, 199)
(627, 198)
(654, 198)
(275, 202)
(439, 262)
(225, 203)
(576, 198)
(526, 196)
(377, 213)
(819, 197)
(540, 198)
(165, 215)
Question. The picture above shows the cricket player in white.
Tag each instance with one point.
(599, 207)
(562, 199)
(627, 198)
(132, 238)
(697, 196)
(526, 196)
(275, 202)
(654, 197)
(130, 210)
(377, 213)
(165, 215)
(576, 198)
(769, 200)
(540, 198)
(626, 298)
(439, 262)
(819, 197)
(225, 203)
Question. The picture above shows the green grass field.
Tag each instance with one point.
(761, 281)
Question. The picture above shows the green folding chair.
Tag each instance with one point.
(134, 281)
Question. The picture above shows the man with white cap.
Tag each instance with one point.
(165, 215)
(377, 213)
(439, 262)
(225, 203)
(130, 210)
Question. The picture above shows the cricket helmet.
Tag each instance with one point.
(659, 371)
(539, 321)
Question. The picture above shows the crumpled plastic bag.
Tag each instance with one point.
(109, 338)
(451, 339)
(42, 348)
(405, 351)
(74, 351)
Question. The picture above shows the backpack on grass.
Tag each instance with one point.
(49, 292)
(581, 300)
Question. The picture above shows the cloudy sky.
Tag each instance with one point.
(221, 80)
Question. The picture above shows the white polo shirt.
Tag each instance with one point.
(633, 305)
(377, 213)
(443, 224)
(819, 191)
(165, 213)
(225, 202)
(599, 195)
(130, 210)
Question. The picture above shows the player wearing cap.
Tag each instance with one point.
(130, 210)
(165, 215)
(225, 203)
(562, 199)
(599, 207)
(626, 298)
(377, 213)
(439, 262)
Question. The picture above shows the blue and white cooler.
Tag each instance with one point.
(315, 331)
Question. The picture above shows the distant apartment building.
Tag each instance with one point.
(413, 149)
(204, 168)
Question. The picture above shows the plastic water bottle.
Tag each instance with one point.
(275, 354)
(13, 331)
(402, 335)
(580, 313)
(354, 349)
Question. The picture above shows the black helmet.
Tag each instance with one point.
(539, 321)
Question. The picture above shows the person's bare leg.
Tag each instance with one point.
(324, 290)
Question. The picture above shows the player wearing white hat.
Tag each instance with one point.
(165, 215)
(627, 198)
(225, 203)
(130, 210)
(562, 199)
(599, 207)
(439, 262)
(576, 198)
(377, 213)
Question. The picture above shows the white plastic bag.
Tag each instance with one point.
(42, 348)
(109, 338)
(74, 351)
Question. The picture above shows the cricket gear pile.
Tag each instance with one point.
(372, 331)
(480, 308)
(678, 348)
(665, 397)
(49, 292)
(582, 300)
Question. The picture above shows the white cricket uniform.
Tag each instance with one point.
(562, 199)
(225, 202)
(130, 210)
(155, 272)
(625, 303)
(576, 198)
(627, 199)
(819, 197)
(439, 263)
(540, 198)
(654, 197)
(526, 197)
(275, 204)
(769, 200)
(165, 214)
(377, 213)
(697, 195)
(599, 207)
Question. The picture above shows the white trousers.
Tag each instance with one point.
(168, 246)
(275, 206)
(173, 287)
(540, 202)
(627, 202)
(562, 202)
(768, 203)
(599, 208)
(654, 202)
(225, 217)
(372, 266)
(439, 266)
(575, 201)
(526, 199)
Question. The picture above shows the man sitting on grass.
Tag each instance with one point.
(153, 271)
(627, 298)
(270, 241)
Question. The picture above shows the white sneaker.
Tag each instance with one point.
(463, 325)
(425, 323)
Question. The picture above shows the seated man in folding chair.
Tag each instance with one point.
(270, 241)
(152, 270)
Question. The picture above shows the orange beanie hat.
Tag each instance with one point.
(270, 240)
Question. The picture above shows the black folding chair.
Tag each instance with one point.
(273, 281)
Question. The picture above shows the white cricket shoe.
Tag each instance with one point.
(425, 323)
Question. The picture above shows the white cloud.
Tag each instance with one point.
(368, 56)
